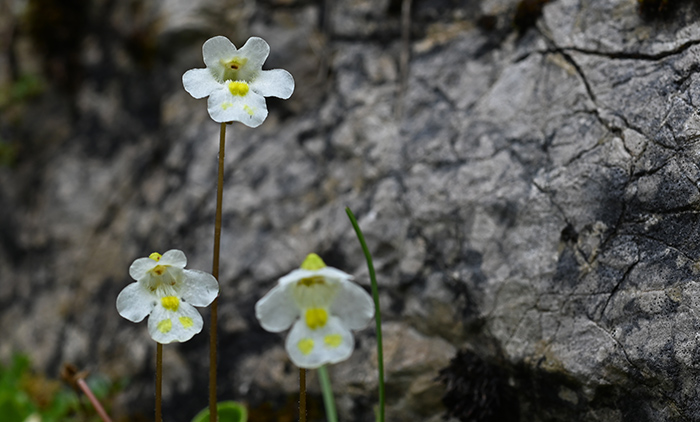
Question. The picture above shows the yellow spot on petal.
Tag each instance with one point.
(248, 109)
(170, 303)
(186, 321)
(306, 345)
(165, 326)
(226, 105)
(316, 318)
(313, 262)
(155, 256)
(333, 340)
(238, 88)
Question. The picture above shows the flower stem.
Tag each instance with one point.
(159, 380)
(70, 374)
(95, 403)
(377, 315)
(327, 392)
(213, 413)
(302, 395)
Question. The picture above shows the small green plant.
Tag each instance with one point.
(25, 87)
(26, 396)
(228, 411)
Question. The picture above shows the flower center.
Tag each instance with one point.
(310, 281)
(238, 88)
(314, 292)
(235, 63)
(234, 68)
(158, 269)
(316, 318)
(164, 278)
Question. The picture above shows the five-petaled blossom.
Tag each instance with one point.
(167, 292)
(235, 82)
(324, 305)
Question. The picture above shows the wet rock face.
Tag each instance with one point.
(535, 203)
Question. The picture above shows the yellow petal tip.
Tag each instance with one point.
(313, 262)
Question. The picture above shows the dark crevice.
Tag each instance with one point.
(617, 286)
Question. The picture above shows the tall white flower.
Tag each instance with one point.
(323, 304)
(235, 82)
(167, 292)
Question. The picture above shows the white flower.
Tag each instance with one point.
(235, 82)
(324, 305)
(167, 292)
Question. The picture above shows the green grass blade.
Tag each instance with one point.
(377, 314)
(327, 391)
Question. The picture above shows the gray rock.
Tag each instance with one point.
(536, 203)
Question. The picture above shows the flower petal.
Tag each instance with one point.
(333, 273)
(296, 275)
(274, 83)
(338, 341)
(276, 311)
(250, 109)
(199, 288)
(313, 348)
(353, 305)
(199, 83)
(140, 267)
(166, 326)
(135, 303)
(174, 258)
(216, 49)
(256, 51)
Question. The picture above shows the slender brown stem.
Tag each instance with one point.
(159, 381)
(70, 374)
(213, 414)
(302, 395)
(95, 403)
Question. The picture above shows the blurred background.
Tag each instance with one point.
(524, 171)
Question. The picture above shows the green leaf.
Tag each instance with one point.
(229, 411)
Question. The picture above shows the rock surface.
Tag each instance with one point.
(535, 201)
